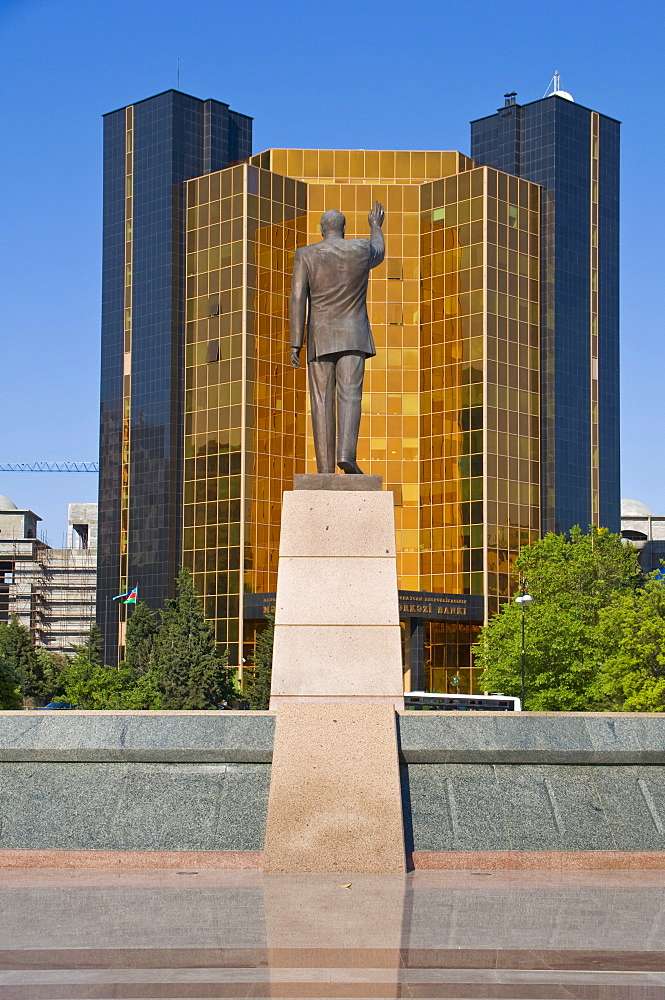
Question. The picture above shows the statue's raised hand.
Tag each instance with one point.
(377, 215)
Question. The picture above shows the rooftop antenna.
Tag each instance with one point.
(557, 91)
(178, 74)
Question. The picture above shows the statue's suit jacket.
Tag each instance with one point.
(332, 276)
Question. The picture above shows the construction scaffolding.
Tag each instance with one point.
(65, 602)
(51, 591)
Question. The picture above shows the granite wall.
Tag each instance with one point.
(188, 781)
(533, 782)
(200, 780)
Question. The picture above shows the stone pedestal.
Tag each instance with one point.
(337, 631)
(335, 802)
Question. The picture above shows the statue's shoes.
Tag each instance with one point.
(350, 467)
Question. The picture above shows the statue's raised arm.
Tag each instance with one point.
(375, 219)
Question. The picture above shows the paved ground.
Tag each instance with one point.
(79, 935)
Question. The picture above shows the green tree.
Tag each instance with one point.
(10, 686)
(140, 638)
(631, 638)
(94, 644)
(190, 672)
(53, 668)
(90, 685)
(145, 693)
(258, 685)
(18, 650)
(572, 580)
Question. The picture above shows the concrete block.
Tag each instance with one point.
(333, 481)
(151, 737)
(336, 608)
(611, 737)
(552, 808)
(167, 807)
(455, 808)
(531, 738)
(315, 661)
(346, 524)
(335, 803)
(633, 801)
(527, 807)
(322, 591)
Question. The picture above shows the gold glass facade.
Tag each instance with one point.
(448, 657)
(480, 377)
(245, 416)
(127, 369)
(450, 406)
(351, 180)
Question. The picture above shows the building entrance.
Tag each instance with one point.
(438, 632)
(448, 667)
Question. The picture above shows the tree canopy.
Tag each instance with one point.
(171, 661)
(574, 580)
(631, 638)
(10, 686)
(190, 672)
(17, 649)
(141, 638)
(258, 687)
(91, 685)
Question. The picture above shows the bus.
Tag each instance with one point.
(425, 701)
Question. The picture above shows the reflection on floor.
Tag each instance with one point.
(79, 935)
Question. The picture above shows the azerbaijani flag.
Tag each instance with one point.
(131, 595)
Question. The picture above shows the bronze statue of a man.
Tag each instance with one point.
(332, 276)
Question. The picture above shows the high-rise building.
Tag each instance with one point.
(573, 154)
(451, 399)
(150, 149)
(215, 419)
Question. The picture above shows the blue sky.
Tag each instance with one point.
(340, 74)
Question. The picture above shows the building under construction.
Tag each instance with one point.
(51, 591)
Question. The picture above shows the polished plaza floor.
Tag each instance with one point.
(84, 934)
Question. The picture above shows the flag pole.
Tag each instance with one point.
(119, 632)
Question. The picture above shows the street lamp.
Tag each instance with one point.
(524, 600)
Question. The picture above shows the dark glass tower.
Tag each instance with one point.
(573, 153)
(150, 150)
